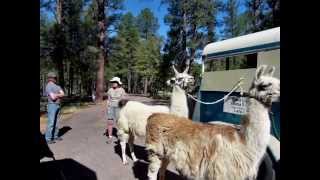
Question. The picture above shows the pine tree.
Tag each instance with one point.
(149, 52)
(104, 21)
(147, 23)
(256, 14)
(273, 13)
(127, 44)
(189, 23)
(148, 61)
(231, 19)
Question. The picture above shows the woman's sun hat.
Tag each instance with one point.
(52, 75)
(116, 79)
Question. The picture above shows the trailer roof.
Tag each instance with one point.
(246, 44)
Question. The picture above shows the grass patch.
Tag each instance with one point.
(69, 110)
(66, 113)
(163, 95)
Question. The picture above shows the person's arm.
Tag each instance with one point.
(53, 96)
(123, 95)
(60, 94)
(50, 92)
(108, 97)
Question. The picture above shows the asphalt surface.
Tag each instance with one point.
(84, 154)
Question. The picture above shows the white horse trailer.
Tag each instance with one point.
(224, 63)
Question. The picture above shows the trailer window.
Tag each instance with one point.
(232, 63)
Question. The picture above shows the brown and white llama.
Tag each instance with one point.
(214, 151)
(133, 115)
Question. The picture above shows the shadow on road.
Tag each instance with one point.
(140, 170)
(65, 169)
(64, 130)
(139, 151)
(44, 148)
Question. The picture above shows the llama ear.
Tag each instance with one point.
(186, 70)
(271, 70)
(261, 69)
(175, 71)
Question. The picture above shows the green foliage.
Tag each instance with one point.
(148, 57)
(147, 23)
(192, 25)
(73, 43)
(231, 19)
(125, 47)
(272, 14)
(262, 14)
(133, 52)
(196, 70)
(259, 15)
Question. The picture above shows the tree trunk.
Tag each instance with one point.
(44, 85)
(184, 38)
(129, 81)
(60, 68)
(135, 82)
(59, 11)
(255, 15)
(211, 37)
(130, 72)
(275, 13)
(80, 86)
(71, 79)
(92, 87)
(101, 45)
(192, 50)
(59, 58)
(100, 78)
(151, 89)
(145, 86)
(190, 62)
(88, 86)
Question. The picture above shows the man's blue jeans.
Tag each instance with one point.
(52, 125)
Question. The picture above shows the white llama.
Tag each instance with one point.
(214, 151)
(178, 104)
(133, 115)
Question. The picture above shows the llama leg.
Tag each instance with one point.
(154, 166)
(131, 147)
(123, 150)
(162, 172)
(110, 127)
(123, 137)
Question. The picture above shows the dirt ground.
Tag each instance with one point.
(84, 154)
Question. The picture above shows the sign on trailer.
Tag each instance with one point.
(235, 105)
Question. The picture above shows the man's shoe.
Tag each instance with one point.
(59, 139)
(51, 142)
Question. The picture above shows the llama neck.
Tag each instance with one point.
(256, 126)
(179, 104)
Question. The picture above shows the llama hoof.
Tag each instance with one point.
(125, 163)
(135, 160)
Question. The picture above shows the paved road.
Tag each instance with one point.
(84, 147)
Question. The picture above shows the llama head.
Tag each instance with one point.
(265, 87)
(182, 80)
